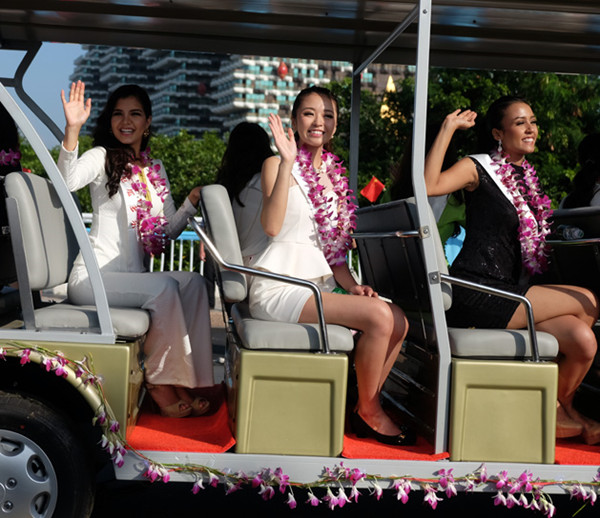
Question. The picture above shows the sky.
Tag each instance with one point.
(43, 81)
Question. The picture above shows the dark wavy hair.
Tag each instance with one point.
(118, 155)
(493, 120)
(247, 148)
(323, 92)
(588, 155)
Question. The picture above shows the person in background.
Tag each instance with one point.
(586, 184)
(133, 217)
(10, 155)
(248, 147)
(507, 222)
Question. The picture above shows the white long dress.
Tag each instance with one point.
(178, 346)
(295, 251)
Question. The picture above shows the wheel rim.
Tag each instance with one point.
(28, 481)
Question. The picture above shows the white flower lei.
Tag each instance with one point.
(533, 217)
(334, 234)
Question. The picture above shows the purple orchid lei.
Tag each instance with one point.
(524, 491)
(151, 229)
(334, 234)
(533, 223)
(9, 157)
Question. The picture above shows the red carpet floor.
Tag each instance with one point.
(211, 434)
(207, 434)
(572, 451)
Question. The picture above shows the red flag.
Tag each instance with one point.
(373, 189)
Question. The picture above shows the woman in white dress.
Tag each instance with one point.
(133, 217)
(308, 215)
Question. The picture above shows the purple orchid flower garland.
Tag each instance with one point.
(334, 234)
(533, 223)
(9, 157)
(340, 483)
(151, 229)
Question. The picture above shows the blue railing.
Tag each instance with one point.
(183, 252)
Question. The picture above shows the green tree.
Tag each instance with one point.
(188, 161)
(567, 108)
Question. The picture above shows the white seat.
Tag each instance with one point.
(45, 250)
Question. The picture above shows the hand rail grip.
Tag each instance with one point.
(323, 338)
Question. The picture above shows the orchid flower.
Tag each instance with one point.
(198, 485)
(312, 499)
(431, 497)
(24, 354)
(291, 501)
(342, 498)
(354, 494)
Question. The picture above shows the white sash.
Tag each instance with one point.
(492, 170)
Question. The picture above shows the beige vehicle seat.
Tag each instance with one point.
(285, 395)
(490, 369)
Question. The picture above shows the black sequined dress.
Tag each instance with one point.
(491, 255)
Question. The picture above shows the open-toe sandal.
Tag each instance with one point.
(200, 406)
(178, 409)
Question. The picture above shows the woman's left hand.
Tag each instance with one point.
(194, 195)
(364, 290)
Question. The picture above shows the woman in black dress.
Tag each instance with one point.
(507, 224)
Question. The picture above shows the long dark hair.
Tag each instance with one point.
(323, 92)
(493, 120)
(118, 155)
(248, 147)
(588, 155)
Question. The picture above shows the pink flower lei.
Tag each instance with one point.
(9, 157)
(533, 223)
(334, 233)
(151, 229)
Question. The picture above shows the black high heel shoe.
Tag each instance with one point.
(406, 437)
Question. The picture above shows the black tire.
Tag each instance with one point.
(44, 469)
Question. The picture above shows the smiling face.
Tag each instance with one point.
(315, 121)
(129, 121)
(518, 131)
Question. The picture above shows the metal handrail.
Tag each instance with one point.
(507, 295)
(469, 284)
(212, 249)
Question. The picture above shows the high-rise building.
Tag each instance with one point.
(202, 92)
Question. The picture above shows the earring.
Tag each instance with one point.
(147, 133)
(500, 146)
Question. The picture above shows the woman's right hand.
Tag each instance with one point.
(460, 120)
(77, 111)
(284, 140)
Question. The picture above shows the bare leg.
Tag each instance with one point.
(568, 313)
(383, 327)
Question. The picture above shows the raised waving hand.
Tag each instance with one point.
(284, 140)
(77, 111)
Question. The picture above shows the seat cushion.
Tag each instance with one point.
(499, 343)
(127, 322)
(263, 334)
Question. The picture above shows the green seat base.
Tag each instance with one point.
(122, 376)
(288, 403)
(503, 411)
